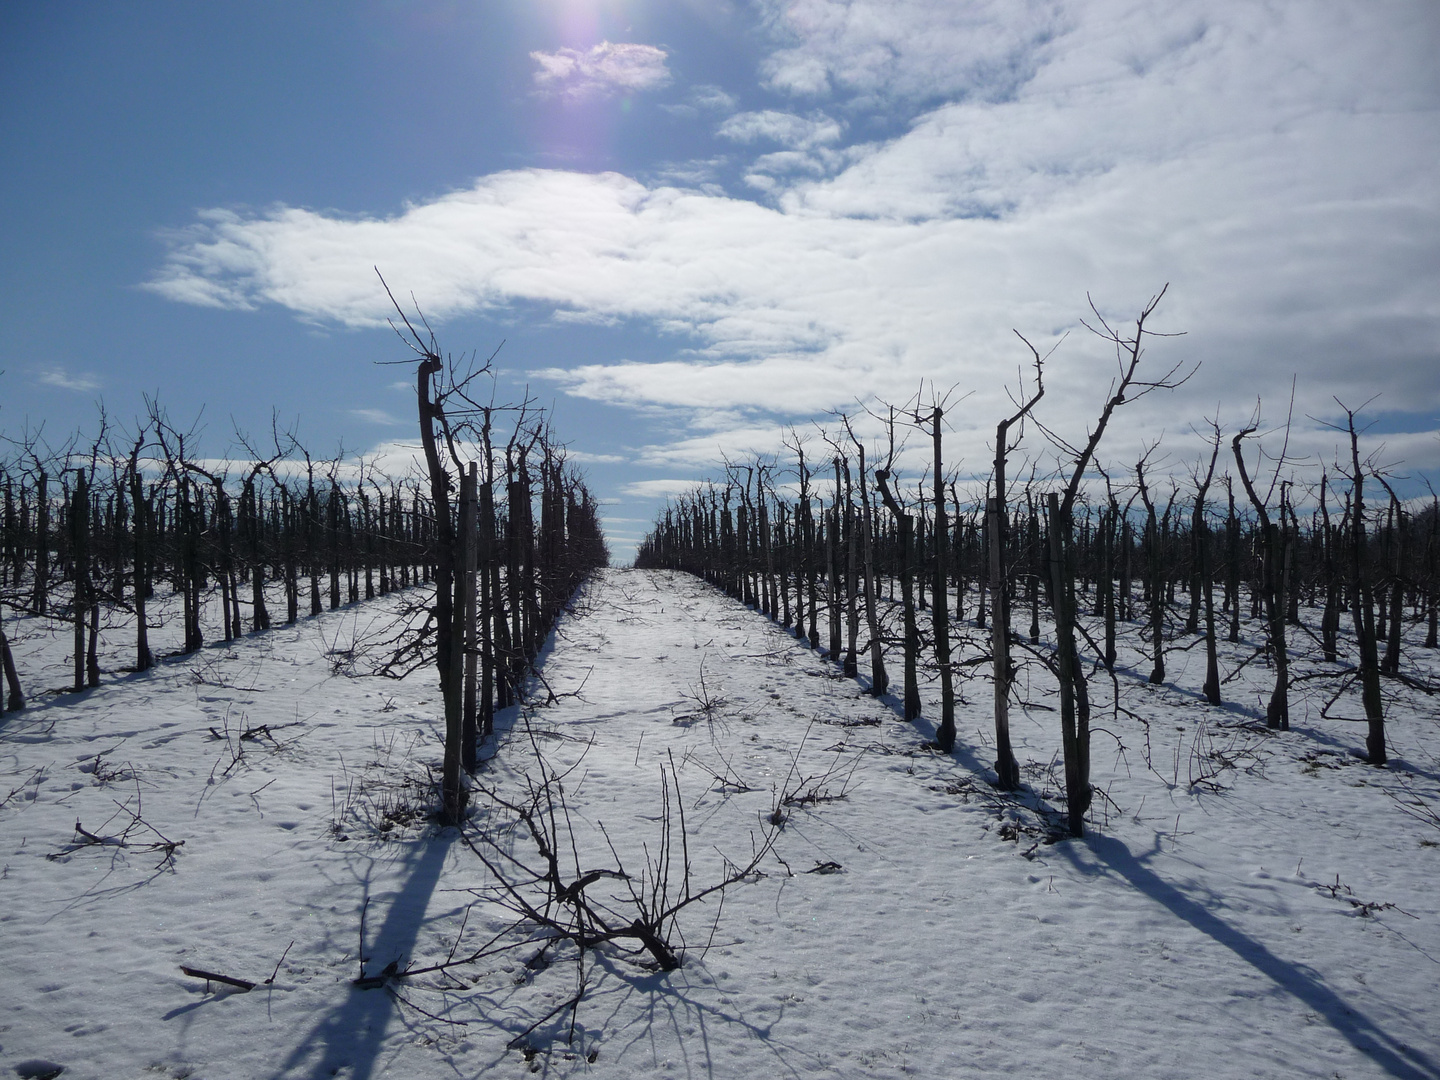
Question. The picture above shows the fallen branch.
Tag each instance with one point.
(211, 976)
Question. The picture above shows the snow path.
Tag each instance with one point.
(1188, 937)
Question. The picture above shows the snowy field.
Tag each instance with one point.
(1248, 904)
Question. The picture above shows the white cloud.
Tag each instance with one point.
(1276, 165)
(699, 174)
(712, 99)
(655, 489)
(584, 457)
(80, 383)
(762, 437)
(603, 69)
(809, 141)
(788, 386)
(788, 161)
(788, 129)
(374, 416)
(702, 99)
(914, 49)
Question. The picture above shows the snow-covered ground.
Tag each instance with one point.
(1248, 903)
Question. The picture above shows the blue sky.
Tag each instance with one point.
(694, 223)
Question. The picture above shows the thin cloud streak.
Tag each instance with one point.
(653, 489)
(374, 416)
(80, 383)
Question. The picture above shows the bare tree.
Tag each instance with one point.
(940, 588)
(906, 527)
(1390, 663)
(1074, 700)
(879, 679)
(431, 394)
(997, 521)
(1362, 604)
(1276, 553)
(1154, 571)
(1202, 584)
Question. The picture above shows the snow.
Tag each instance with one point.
(1273, 917)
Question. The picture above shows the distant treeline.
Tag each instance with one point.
(90, 536)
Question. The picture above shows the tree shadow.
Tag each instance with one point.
(642, 1012)
(1392, 1055)
(963, 754)
(352, 1032)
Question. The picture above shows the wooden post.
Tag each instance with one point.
(469, 636)
(1006, 768)
(80, 554)
(879, 679)
(852, 582)
(40, 593)
(832, 550)
(141, 514)
(939, 602)
(92, 601)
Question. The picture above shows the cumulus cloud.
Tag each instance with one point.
(602, 69)
(809, 140)
(1276, 165)
(911, 49)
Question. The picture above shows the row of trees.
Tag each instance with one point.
(824, 550)
(89, 537)
(501, 578)
(92, 534)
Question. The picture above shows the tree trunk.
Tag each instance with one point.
(448, 657)
(1363, 611)
(1074, 721)
(1391, 664)
(1330, 617)
(15, 699)
(879, 680)
(906, 527)
(1274, 571)
(1006, 768)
